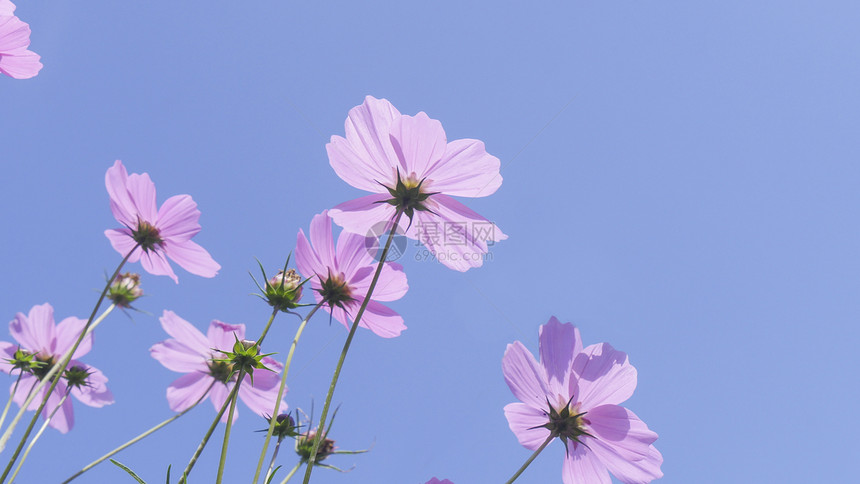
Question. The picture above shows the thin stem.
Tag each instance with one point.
(203, 442)
(139, 437)
(290, 475)
(11, 397)
(530, 459)
(266, 328)
(55, 370)
(346, 345)
(229, 427)
(272, 462)
(39, 433)
(273, 420)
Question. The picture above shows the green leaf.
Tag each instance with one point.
(130, 472)
(275, 471)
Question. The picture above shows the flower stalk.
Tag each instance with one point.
(346, 345)
(528, 461)
(39, 433)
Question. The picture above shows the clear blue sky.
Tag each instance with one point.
(681, 180)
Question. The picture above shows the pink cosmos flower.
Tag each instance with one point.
(192, 353)
(165, 232)
(37, 334)
(576, 393)
(407, 162)
(342, 274)
(15, 60)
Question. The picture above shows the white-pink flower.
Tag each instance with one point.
(155, 234)
(341, 276)
(15, 60)
(575, 395)
(37, 334)
(192, 353)
(408, 163)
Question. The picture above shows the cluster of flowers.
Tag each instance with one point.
(572, 393)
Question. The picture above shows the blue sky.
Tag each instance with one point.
(680, 180)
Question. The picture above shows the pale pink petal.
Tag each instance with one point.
(260, 397)
(341, 315)
(380, 319)
(154, 262)
(67, 333)
(640, 471)
(7, 8)
(361, 215)
(121, 204)
(620, 431)
(307, 261)
(187, 389)
(322, 240)
(121, 241)
(524, 376)
(35, 331)
(141, 190)
(7, 352)
(218, 395)
(222, 336)
(64, 419)
(456, 235)
(392, 284)
(176, 356)
(185, 333)
(419, 142)
(25, 386)
(96, 393)
(465, 170)
(192, 258)
(352, 253)
(603, 375)
(525, 422)
(437, 481)
(178, 218)
(366, 158)
(559, 343)
(583, 467)
(20, 63)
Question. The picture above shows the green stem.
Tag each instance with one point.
(273, 420)
(290, 475)
(39, 433)
(346, 345)
(530, 459)
(139, 437)
(187, 471)
(229, 427)
(11, 397)
(272, 462)
(266, 328)
(55, 370)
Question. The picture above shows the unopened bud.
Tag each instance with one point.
(125, 289)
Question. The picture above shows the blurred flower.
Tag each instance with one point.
(407, 162)
(196, 355)
(341, 275)
(574, 394)
(159, 234)
(15, 60)
(125, 289)
(37, 334)
(437, 481)
(305, 445)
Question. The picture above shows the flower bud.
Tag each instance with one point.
(305, 446)
(284, 290)
(125, 289)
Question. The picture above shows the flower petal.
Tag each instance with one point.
(419, 142)
(526, 379)
(176, 356)
(621, 431)
(392, 284)
(7, 8)
(7, 352)
(465, 170)
(583, 467)
(185, 333)
(154, 262)
(525, 422)
(20, 63)
(307, 260)
(366, 158)
(222, 336)
(380, 319)
(121, 204)
(121, 241)
(639, 471)
(260, 397)
(67, 334)
(559, 344)
(603, 375)
(142, 192)
(178, 218)
(95, 393)
(187, 389)
(191, 257)
(363, 214)
(218, 395)
(15, 60)
(35, 332)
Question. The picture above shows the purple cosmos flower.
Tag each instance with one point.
(15, 60)
(575, 393)
(192, 353)
(437, 481)
(37, 334)
(161, 233)
(341, 275)
(407, 162)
